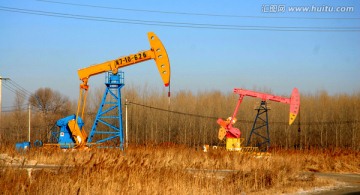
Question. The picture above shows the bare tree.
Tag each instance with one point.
(48, 101)
(52, 106)
(19, 115)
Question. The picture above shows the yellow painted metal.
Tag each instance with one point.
(81, 103)
(83, 106)
(294, 105)
(222, 133)
(73, 125)
(292, 118)
(234, 144)
(156, 52)
(161, 58)
(113, 65)
(78, 135)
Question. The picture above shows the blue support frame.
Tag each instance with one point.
(260, 128)
(108, 122)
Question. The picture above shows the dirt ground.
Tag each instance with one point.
(348, 184)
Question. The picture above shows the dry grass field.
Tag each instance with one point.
(171, 169)
(325, 138)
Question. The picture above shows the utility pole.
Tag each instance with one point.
(1, 101)
(169, 129)
(29, 122)
(0, 107)
(126, 124)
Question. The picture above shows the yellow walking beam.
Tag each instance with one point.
(157, 52)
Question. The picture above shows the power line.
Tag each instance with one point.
(20, 87)
(178, 24)
(171, 111)
(21, 108)
(16, 88)
(191, 13)
(14, 107)
(310, 123)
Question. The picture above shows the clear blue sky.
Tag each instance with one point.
(271, 47)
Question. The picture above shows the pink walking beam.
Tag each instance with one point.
(294, 100)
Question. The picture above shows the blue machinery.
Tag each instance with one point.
(63, 136)
(108, 122)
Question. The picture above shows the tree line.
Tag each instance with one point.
(189, 118)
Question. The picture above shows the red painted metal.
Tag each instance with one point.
(262, 96)
(294, 102)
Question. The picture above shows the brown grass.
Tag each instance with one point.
(326, 131)
(173, 170)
